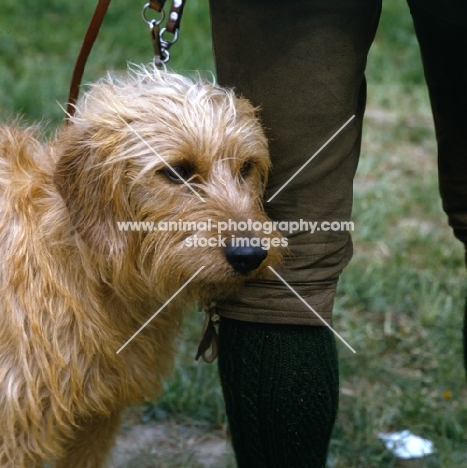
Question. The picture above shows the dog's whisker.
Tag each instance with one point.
(63, 109)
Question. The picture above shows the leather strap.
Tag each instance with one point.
(175, 13)
(88, 41)
(157, 5)
(175, 16)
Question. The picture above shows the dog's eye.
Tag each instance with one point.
(178, 174)
(246, 169)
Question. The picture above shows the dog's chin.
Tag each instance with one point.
(227, 283)
(212, 292)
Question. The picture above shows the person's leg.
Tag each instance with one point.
(303, 63)
(441, 27)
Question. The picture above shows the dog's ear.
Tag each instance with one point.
(92, 182)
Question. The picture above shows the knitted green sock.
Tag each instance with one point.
(465, 337)
(280, 385)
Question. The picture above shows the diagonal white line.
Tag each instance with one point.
(169, 300)
(162, 159)
(311, 308)
(316, 154)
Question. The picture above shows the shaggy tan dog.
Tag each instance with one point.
(74, 287)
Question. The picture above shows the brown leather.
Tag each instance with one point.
(175, 16)
(157, 5)
(175, 13)
(89, 39)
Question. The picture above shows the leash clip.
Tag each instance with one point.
(161, 45)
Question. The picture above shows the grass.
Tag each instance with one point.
(399, 301)
(39, 44)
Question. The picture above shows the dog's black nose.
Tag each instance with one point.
(245, 259)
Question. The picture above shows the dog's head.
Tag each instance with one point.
(189, 159)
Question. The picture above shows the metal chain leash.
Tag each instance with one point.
(160, 43)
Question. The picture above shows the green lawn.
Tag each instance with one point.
(400, 301)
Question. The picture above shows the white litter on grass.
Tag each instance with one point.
(406, 445)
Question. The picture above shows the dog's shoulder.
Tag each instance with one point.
(26, 187)
(24, 159)
(19, 145)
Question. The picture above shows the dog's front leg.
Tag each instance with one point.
(91, 445)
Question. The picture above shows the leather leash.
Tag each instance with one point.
(86, 46)
(160, 44)
(175, 13)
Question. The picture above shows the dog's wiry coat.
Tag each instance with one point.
(73, 288)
